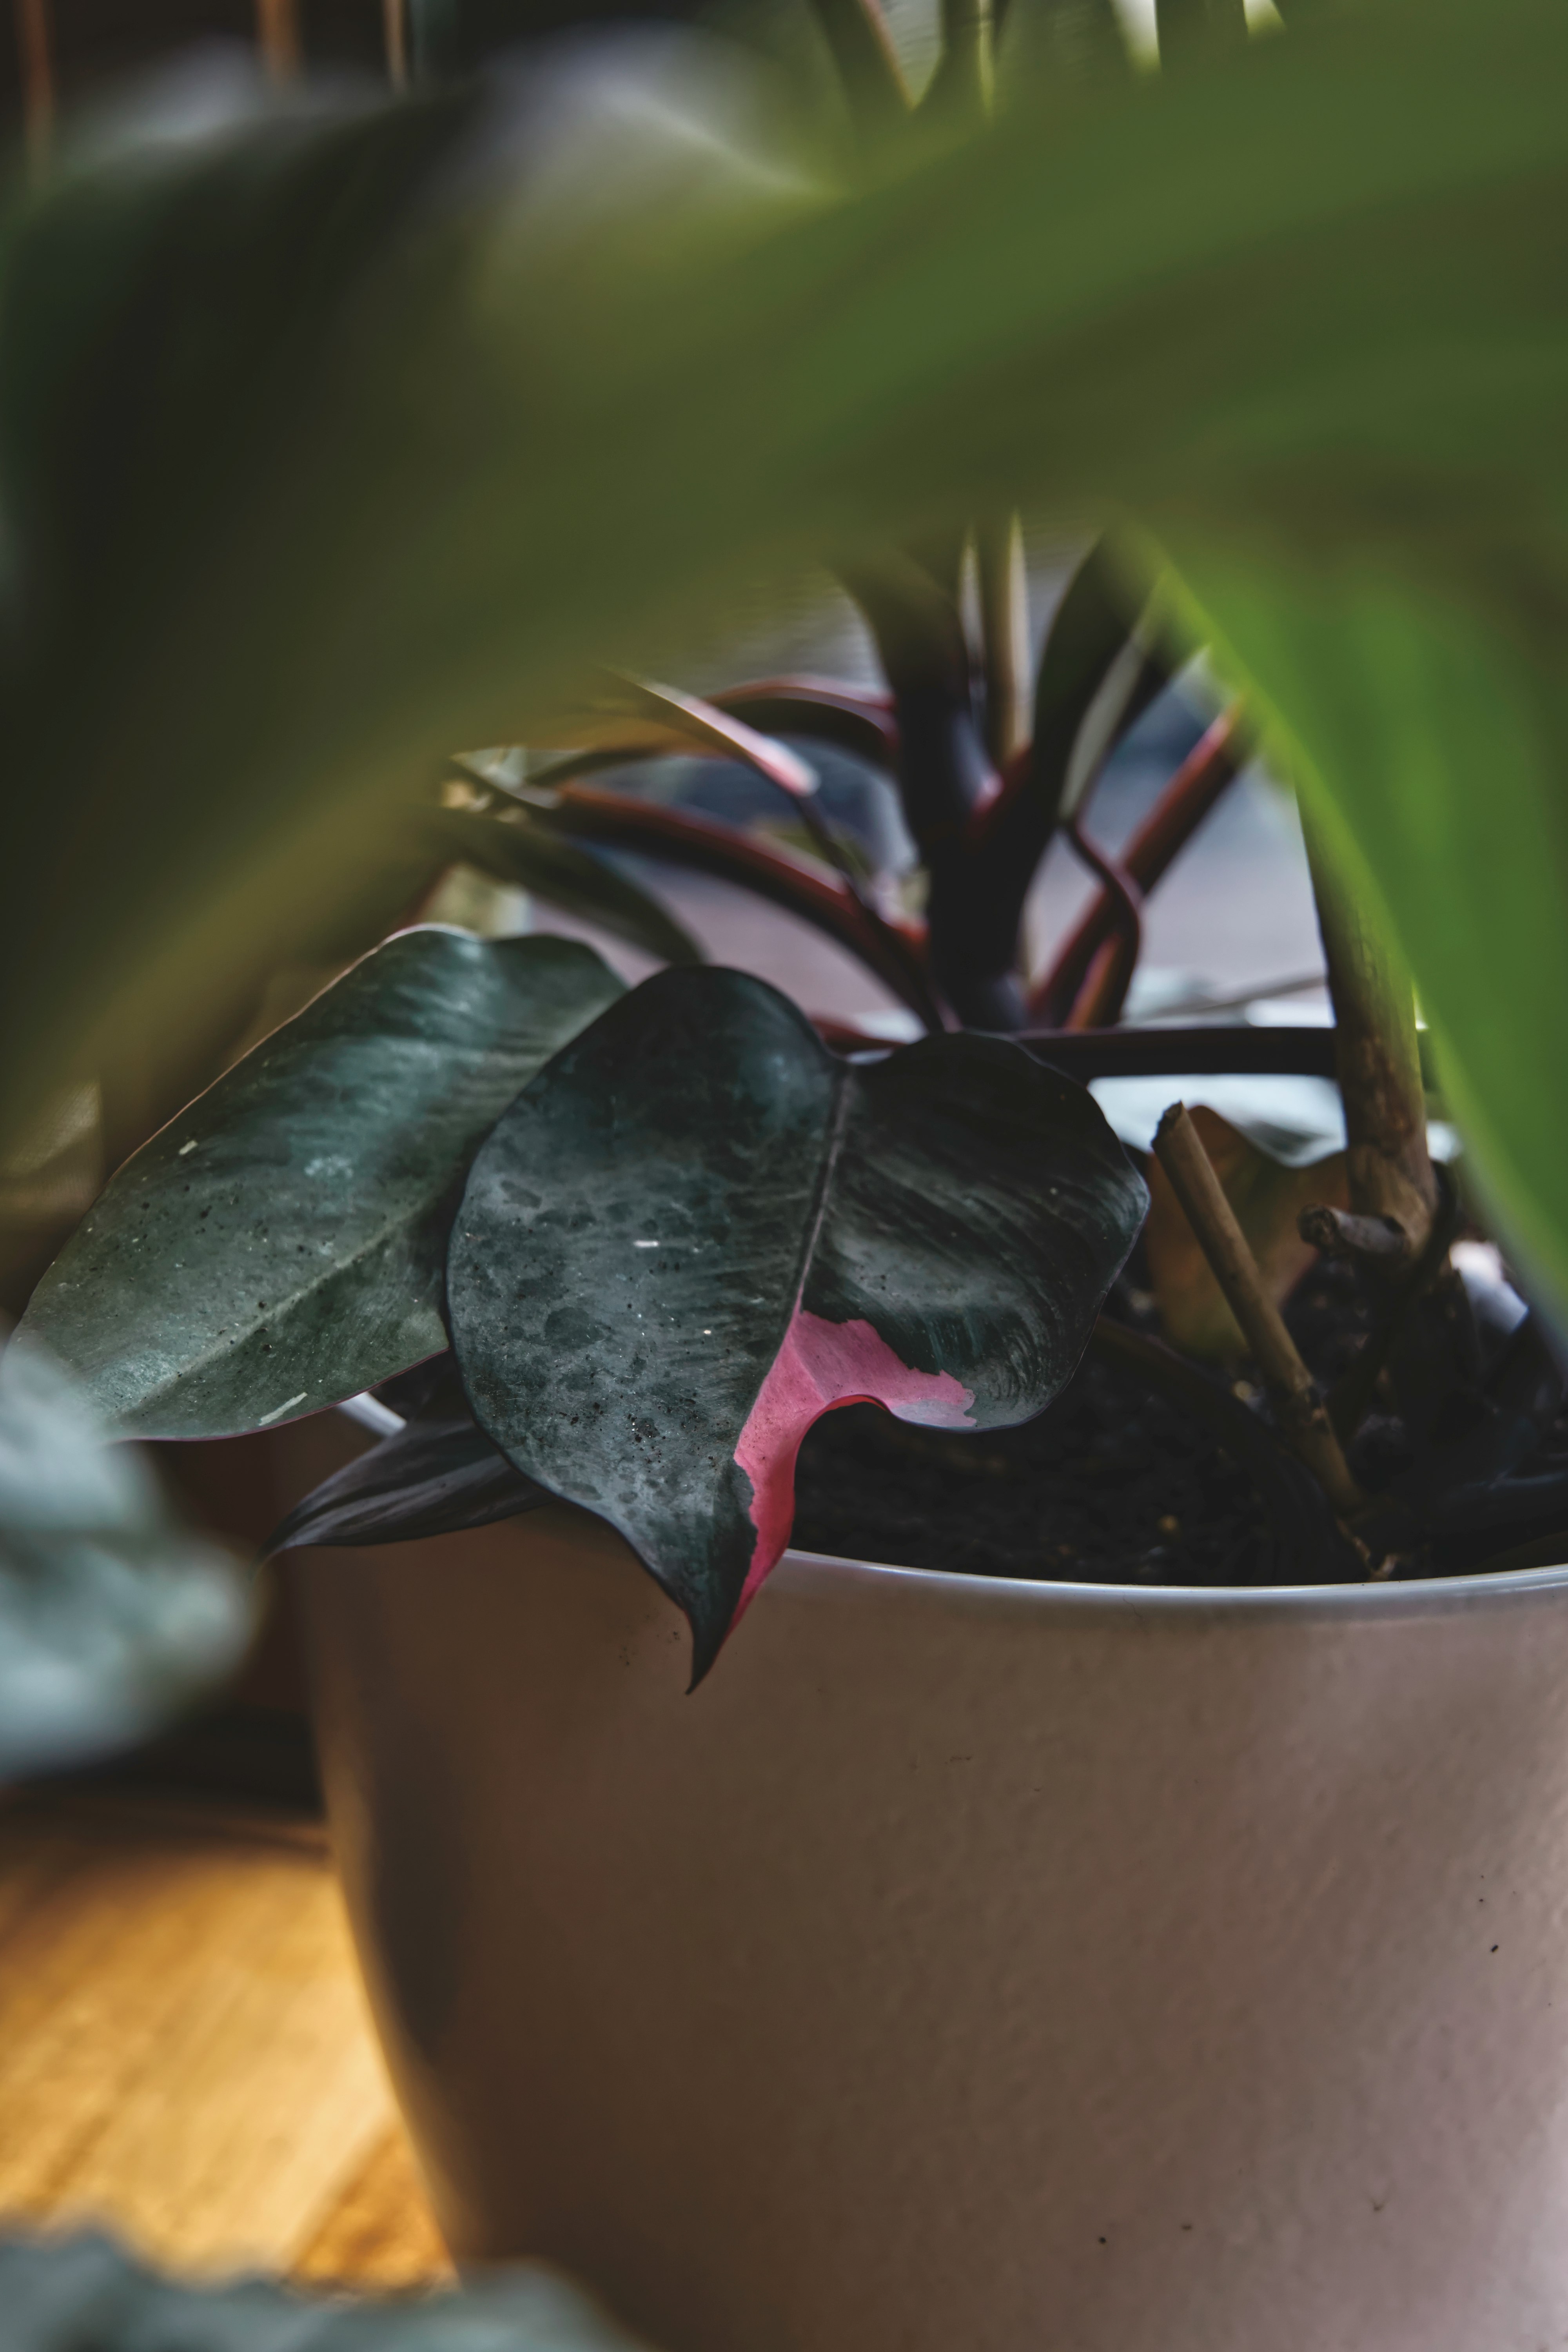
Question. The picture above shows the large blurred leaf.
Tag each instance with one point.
(697, 1230)
(80, 2292)
(279, 1245)
(318, 484)
(111, 1616)
(168, 317)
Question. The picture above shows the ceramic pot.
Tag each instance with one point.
(969, 1965)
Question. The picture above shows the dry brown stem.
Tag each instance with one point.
(1378, 1057)
(1298, 1407)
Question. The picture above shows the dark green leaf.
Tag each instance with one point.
(112, 1615)
(697, 1230)
(279, 1246)
(436, 1476)
(1093, 681)
(1092, 629)
(636, 716)
(519, 848)
(815, 708)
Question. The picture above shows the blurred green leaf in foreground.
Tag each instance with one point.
(60, 2295)
(329, 442)
(111, 1616)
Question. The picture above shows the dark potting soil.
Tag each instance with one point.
(1111, 1486)
(1114, 1483)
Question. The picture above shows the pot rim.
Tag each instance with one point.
(822, 1574)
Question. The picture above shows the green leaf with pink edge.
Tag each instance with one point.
(697, 1230)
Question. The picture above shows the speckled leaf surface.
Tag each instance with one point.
(279, 1246)
(697, 1230)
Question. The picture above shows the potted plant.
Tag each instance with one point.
(969, 1956)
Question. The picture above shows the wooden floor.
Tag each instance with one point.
(185, 2051)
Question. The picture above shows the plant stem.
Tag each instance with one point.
(1377, 1051)
(944, 777)
(1298, 1407)
(1004, 626)
(623, 820)
(1098, 1003)
(35, 46)
(394, 41)
(1424, 1329)
(1202, 779)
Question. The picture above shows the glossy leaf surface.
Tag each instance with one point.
(279, 1245)
(436, 1476)
(697, 1230)
(112, 1616)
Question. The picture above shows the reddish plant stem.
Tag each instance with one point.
(1198, 783)
(1102, 997)
(893, 951)
(34, 36)
(1098, 1003)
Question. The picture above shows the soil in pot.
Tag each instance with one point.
(1112, 1484)
(1117, 1482)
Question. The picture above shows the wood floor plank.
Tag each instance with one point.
(185, 2053)
(93, 1982)
(379, 2231)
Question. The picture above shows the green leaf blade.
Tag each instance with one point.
(279, 1245)
(697, 1230)
(523, 849)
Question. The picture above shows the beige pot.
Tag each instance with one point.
(970, 1967)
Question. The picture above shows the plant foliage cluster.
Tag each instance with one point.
(332, 437)
(337, 437)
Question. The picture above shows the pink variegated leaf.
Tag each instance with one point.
(696, 1230)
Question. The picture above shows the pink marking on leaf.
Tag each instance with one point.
(821, 1365)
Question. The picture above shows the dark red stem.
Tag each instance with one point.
(1198, 783)
(1104, 993)
(893, 950)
